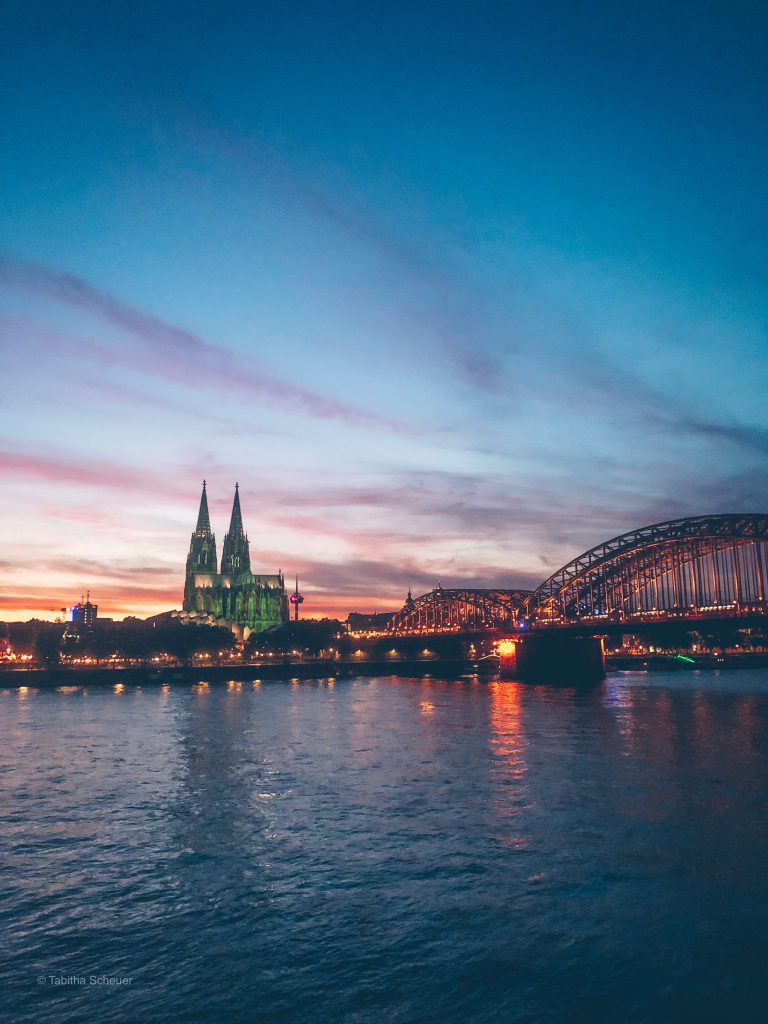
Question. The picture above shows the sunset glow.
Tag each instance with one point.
(429, 347)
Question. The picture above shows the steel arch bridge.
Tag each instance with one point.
(453, 611)
(704, 567)
(700, 567)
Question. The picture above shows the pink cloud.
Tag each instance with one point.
(57, 469)
(182, 355)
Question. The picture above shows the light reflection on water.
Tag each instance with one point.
(388, 850)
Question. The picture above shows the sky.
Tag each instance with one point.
(454, 290)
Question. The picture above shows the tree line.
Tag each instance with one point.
(141, 639)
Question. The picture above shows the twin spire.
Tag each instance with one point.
(203, 519)
(236, 519)
(235, 554)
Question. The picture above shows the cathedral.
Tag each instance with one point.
(234, 597)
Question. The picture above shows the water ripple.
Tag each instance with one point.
(386, 851)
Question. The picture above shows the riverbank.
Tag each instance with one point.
(109, 675)
(95, 675)
(685, 662)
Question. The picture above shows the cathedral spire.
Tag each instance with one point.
(202, 547)
(203, 519)
(236, 521)
(235, 554)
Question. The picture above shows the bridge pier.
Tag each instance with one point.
(554, 660)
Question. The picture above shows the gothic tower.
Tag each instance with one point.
(235, 554)
(202, 547)
(233, 596)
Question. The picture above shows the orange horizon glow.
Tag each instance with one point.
(111, 605)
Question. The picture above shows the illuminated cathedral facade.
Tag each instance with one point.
(235, 596)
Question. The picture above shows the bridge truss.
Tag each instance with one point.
(447, 611)
(705, 566)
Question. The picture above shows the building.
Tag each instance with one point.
(234, 597)
(84, 615)
(6, 648)
(82, 619)
(370, 623)
(359, 624)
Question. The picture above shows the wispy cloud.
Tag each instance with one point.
(352, 577)
(182, 355)
(431, 301)
(57, 469)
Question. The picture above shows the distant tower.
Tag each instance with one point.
(83, 617)
(235, 554)
(202, 547)
(296, 600)
(201, 559)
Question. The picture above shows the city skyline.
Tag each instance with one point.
(446, 316)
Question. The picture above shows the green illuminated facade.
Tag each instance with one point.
(235, 596)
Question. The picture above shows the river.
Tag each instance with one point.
(376, 850)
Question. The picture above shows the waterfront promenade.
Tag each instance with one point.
(287, 669)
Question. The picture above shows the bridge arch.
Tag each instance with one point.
(442, 610)
(703, 566)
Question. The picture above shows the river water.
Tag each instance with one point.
(387, 850)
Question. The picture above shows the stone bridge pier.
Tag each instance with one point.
(553, 660)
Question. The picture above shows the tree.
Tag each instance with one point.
(310, 637)
(47, 644)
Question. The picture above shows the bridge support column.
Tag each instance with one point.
(506, 651)
(557, 660)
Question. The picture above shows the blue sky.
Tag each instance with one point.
(454, 290)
